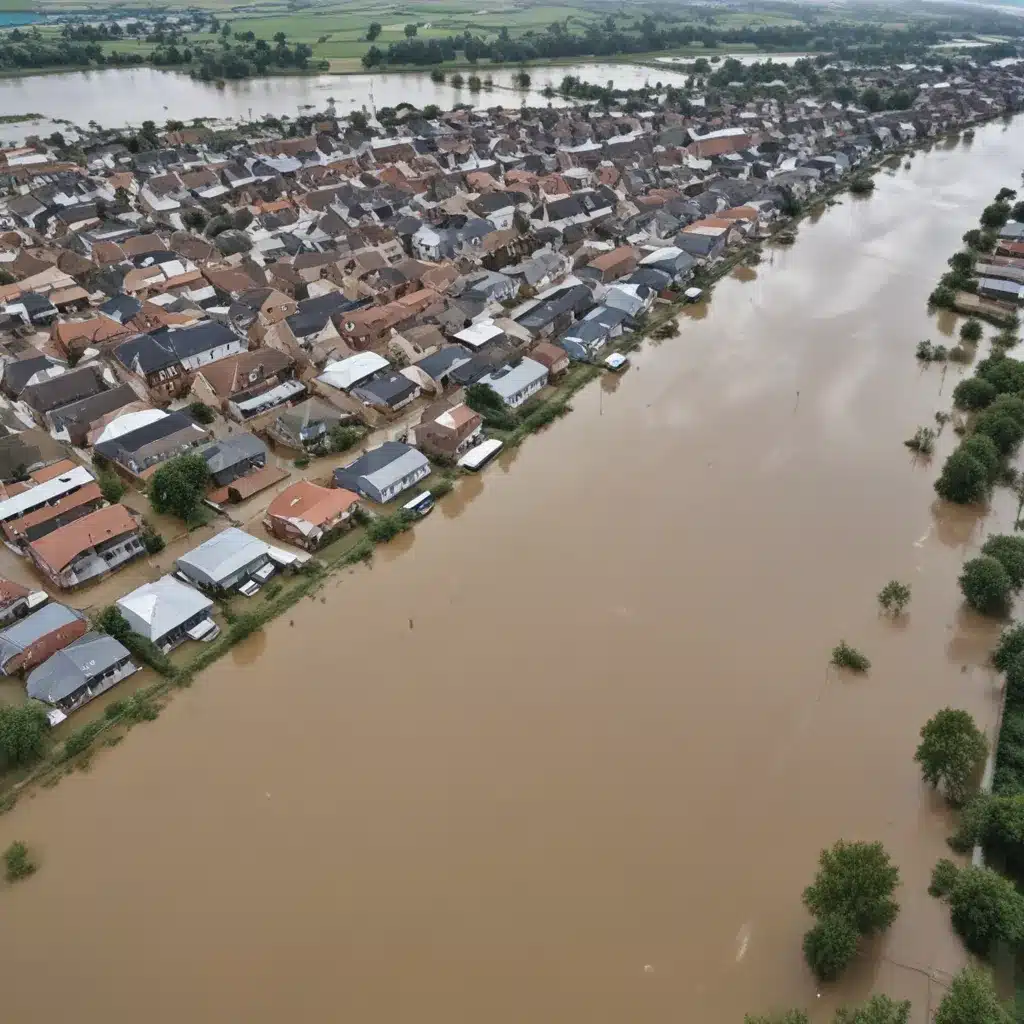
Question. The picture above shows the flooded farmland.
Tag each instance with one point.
(570, 750)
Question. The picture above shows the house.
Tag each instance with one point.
(610, 266)
(585, 338)
(998, 288)
(675, 262)
(448, 430)
(140, 441)
(345, 374)
(22, 530)
(387, 393)
(475, 336)
(88, 547)
(309, 515)
(45, 493)
(165, 360)
(230, 559)
(554, 310)
(72, 386)
(84, 669)
(33, 639)
(554, 358)
(232, 457)
(167, 612)
(13, 601)
(306, 425)
(76, 420)
(634, 299)
(383, 473)
(248, 384)
(438, 366)
(28, 450)
(514, 384)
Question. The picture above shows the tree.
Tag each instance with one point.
(877, 1010)
(522, 79)
(456, 81)
(358, 121)
(983, 448)
(23, 730)
(410, 30)
(474, 83)
(373, 31)
(972, 239)
(962, 262)
(111, 486)
(855, 880)
(986, 910)
(963, 479)
(194, 218)
(201, 412)
(1017, 213)
(437, 75)
(786, 1017)
(995, 215)
(944, 876)
(871, 100)
(1006, 431)
(971, 999)
(178, 486)
(973, 393)
(830, 946)
(342, 438)
(986, 585)
(431, 111)
(1009, 647)
(1009, 550)
(894, 597)
(373, 56)
(971, 331)
(280, 38)
(951, 750)
(18, 862)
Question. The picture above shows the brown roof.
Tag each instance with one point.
(86, 332)
(17, 528)
(311, 502)
(46, 646)
(59, 548)
(234, 374)
(55, 469)
(248, 485)
(549, 355)
(611, 260)
(137, 245)
(11, 592)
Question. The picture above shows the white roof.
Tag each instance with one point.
(477, 335)
(223, 555)
(346, 373)
(154, 609)
(128, 422)
(666, 252)
(42, 493)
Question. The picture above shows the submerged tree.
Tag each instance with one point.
(855, 880)
(894, 597)
(971, 999)
(986, 585)
(951, 751)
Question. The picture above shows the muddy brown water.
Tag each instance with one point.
(591, 779)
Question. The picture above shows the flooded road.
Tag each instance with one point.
(570, 751)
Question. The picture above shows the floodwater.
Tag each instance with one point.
(570, 750)
(128, 96)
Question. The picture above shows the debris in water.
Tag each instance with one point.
(410, 623)
(648, 969)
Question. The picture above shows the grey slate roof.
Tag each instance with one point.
(231, 450)
(70, 669)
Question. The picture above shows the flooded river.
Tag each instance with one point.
(116, 97)
(569, 752)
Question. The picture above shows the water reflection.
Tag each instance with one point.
(466, 490)
(249, 650)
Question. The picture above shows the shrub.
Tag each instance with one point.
(1009, 647)
(152, 541)
(971, 331)
(923, 441)
(986, 585)
(385, 528)
(1008, 549)
(971, 999)
(924, 351)
(80, 739)
(201, 412)
(894, 596)
(944, 876)
(18, 863)
(301, 462)
(983, 448)
(111, 486)
(986, 909)
(845, 656)
(23, 731)
(830, 946)
(1004, 430)
(963, 479)
(942, 298)
(973, 393)
(862, 186)
(340, 438)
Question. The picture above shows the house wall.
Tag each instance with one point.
(96, 562)
(385, 494)
(233, 347)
